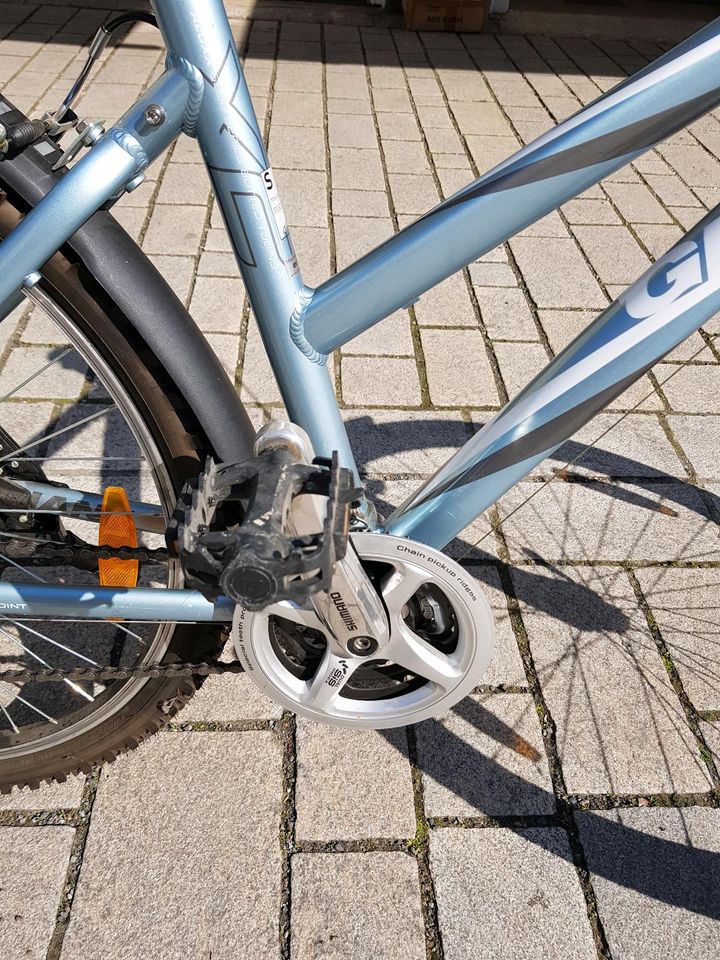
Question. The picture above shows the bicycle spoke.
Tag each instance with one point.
(36, 709)
(9, 719)
(55, 643)
(44, 663)
(35, 375)
(58, 433)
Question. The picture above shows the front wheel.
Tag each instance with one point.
(86, 406)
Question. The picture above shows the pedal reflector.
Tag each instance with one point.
(117, 529)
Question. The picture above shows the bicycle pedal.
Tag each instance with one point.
(232, 528)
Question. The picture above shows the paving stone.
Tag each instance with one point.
(362, 108)
(398, 126)
(351, 131)
(478, 873)
(694, 390)
(297, 109)
(610, 521)
(356, 169)
(614, 254)
(485, 757)
(561, 281)
(683, 602)
(656, 876)
(335, 767)
(620, 726)
(175, 229)
(446, 305)
(487, 152)
(700, 439)
(484, 274)
(387, 442)
(33, 864)
(412, 193)
(389, 382)
(217, 304)
(370, 203)
(355, 236)
(50, 796)
(636, 203)
(590, 211)
(458, 369)
(506, 313)
(178, 272)
(228, 698)
(658, 237)
(694, 164)
(390, 336)
(312, 245)
(297, 148)
(405, 157)
(362, 905)
(258, 381)
(184, 183)
(519, 363)
(215, 804)
(213, 264)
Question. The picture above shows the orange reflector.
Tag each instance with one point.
(117, 529)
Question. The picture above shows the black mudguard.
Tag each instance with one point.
(141, 294)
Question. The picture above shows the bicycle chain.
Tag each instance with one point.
(203, 668)
(65, 552)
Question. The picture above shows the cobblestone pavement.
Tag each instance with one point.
(566, 810)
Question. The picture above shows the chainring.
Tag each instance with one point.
(433, 605)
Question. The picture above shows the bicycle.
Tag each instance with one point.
(341, 616)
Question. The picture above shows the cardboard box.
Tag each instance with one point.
(453, 16)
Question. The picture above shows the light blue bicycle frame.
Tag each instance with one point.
(203, 93)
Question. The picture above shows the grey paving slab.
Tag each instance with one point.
(50, 796)
(656, 876)
(33, 864)
(518, 889)
(693, 390)
(563, 281)
(620, 725)
(448, 304)
(178, 828)
(699, 437)
(684, 604)
(390, 337)
(387, 442)
(352, 784)
(389, 382)
(229, 698)
(610, 521)
(485, 757)
(458, 369)
(362, 905)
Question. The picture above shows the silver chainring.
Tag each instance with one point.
(441, 642)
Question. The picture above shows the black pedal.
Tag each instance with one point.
(230, 528)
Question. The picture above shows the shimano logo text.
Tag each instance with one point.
(345, 614)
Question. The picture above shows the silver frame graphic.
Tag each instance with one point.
(203, 93)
